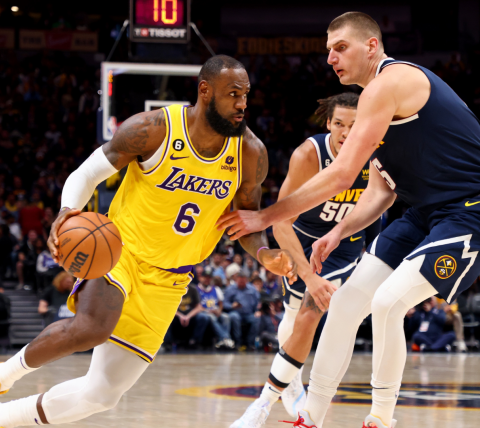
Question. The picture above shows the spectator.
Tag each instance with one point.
(53, 302)
(5, 310)
(46, 268)
(7, 243)
(31, 218)
(189, 321)
(268, 330)
(428, 322)
(454, 322)
(218, 268)
(241, 301)
(272, 286)
(27, 260)
(211, 298)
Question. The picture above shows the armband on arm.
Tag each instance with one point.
(82, 182)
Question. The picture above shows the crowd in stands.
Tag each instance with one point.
(48, 103)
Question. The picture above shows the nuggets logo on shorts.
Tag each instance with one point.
(445, 267)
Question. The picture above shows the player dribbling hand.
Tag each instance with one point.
(62, 217)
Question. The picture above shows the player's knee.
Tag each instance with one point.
(86, 334)
(387, 305)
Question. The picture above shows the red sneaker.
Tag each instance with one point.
(303, 420)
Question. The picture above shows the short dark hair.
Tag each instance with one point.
(327, 105)
(212, 68)
(362, 23)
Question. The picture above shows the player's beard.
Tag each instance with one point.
(221, 125)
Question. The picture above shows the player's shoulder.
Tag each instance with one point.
(395, 76)
(252, 145)
(255, 158)
(306, 152)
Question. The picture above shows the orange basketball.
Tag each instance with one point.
(89, 245)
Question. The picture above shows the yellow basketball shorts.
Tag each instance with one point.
(152, 296)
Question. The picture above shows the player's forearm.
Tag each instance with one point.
(369, 208)
(287, 239)
(253, 242)
(81, 183)
(315, 191)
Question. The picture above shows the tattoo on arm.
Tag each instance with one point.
(132, 138)
(309, 303)
(262, 165)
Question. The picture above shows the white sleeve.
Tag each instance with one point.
(82, 182)
(220, 296)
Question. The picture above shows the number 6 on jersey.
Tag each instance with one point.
(185, 223)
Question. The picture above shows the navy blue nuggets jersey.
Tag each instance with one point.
(320, 220)
(432, 161)
(433, 157)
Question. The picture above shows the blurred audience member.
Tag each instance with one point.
(27, 260)
(241, 301)
(428, 322)
(190, 321)
(53, 302)
(211, 298)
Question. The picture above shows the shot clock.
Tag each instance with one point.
(160, 21)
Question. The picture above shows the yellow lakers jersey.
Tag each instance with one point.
(167, 206)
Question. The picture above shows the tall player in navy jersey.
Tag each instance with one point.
(303, 311)
(424, 146)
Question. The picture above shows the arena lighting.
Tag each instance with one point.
(14, 9)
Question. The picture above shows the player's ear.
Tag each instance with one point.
(204, 89)
(329, 124)
(373, 45)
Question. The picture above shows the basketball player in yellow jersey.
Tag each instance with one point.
(186, 165)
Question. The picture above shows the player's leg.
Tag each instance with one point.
(348, 308)
(403, 290)
(113, 371)
(98, 309)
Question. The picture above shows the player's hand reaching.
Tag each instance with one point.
(320, 289)
(62, 217)
(280, 262)
(322, 249)
(242, 223)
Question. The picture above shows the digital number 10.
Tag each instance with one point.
(163, 11)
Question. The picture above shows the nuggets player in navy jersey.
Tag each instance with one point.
(303, 311)
(185, 169)
(424, 146)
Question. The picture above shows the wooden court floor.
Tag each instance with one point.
(201, 391)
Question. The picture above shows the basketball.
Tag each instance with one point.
(89, 245)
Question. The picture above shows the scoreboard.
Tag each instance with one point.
(160, 21)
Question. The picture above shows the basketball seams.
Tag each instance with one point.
(92, 232)
(73, 228)
(114, 234)
(93, 255)
(108, 244)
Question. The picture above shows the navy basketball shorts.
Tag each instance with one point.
(448, 237)
(339, 265)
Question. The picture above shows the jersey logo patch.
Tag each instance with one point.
(178, 145)
(172, 157)
(352, 239)
(445, 267)
(365, 174)
(468, 204)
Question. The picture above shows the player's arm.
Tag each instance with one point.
(376, 108)
(248, 197)
(375, 200)
(138, 136)
(303, 166)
